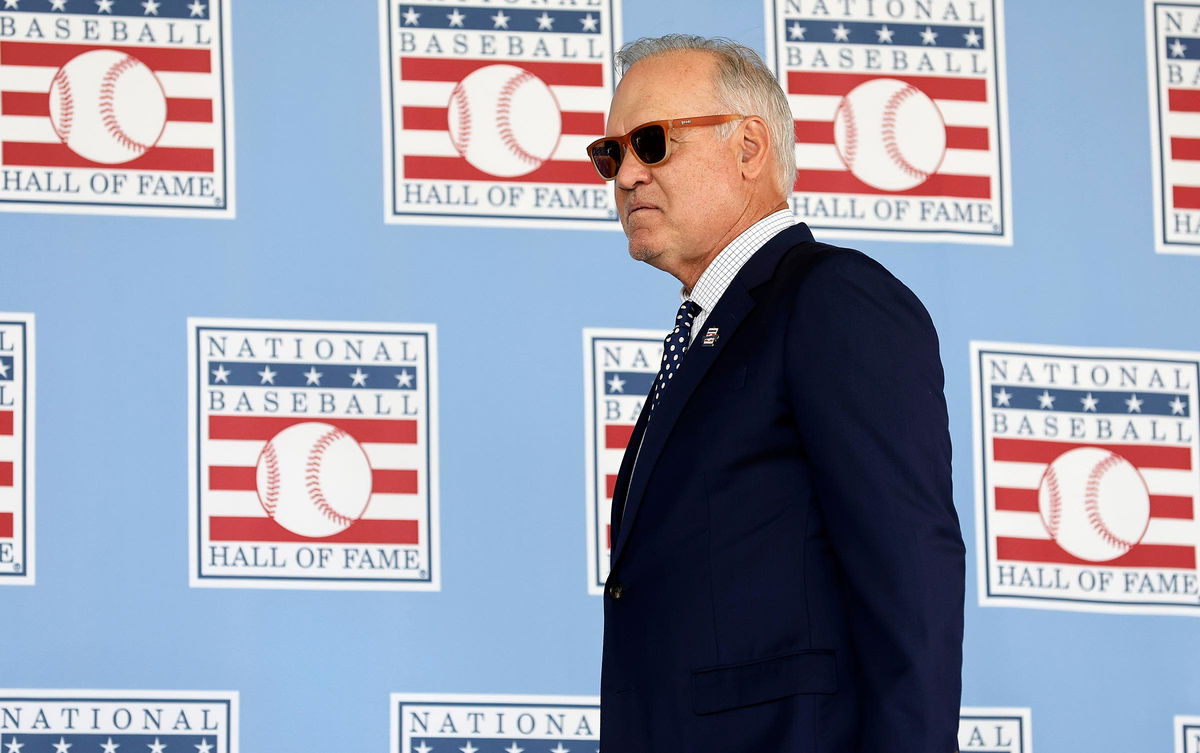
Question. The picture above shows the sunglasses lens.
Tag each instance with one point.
(649, 144)
(606, 156)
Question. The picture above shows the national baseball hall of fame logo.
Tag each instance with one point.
(16, 449)
(313, 455)
(900, 116)
(488, 108)
(116, 107)
(994, 730)
(1086, 477)
(494, 723)
(619, 366)
(1173, 48)
(1187, 734)
(117, 721)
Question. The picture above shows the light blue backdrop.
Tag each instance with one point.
(112, 609)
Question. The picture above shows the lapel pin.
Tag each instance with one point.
(710, 337)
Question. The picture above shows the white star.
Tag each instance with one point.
(1089, 403)
(104, 6)
(1177, 406)
(589, 23)
(545, 22)
(468, 748)
(411, 17)
(3, 369)
(1003, 397)
(196, 8)
(404, 378)
(616, 384)
(157, 747)
(929, 36)
(1178, 48)
(110, 746)
(797, 31)
(422, 748)
(204, 747)
(62, 745)
(312, 376)
(11, 4)
(14, 746)
(358, 378)
(151, 7)
(972, 38)
(58, 5)
(514, 748)
(268, 376)
(1135, 404)
(885, 34)
(1046, 400)
(500, 20)
(221, 374)
(841, 33)
(456, 18)
(559, 749)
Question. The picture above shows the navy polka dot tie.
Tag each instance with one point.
(673, 349)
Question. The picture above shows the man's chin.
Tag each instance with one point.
(642, 252)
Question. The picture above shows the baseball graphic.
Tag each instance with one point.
(504, 120)
(107, 106)
(313, 479)
(889, 134)
(1094, 503)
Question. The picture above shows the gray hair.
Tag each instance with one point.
(743, 84)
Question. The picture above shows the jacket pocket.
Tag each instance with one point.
(729, 687)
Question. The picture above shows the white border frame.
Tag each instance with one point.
(982, 547)
(993, 712)
(396, 699)
(1182, 723)
(28, 576)
(435, 529)
(1157, 156)
(139, 695)
(499, 221)
(770, 24)
(590, 335)
(226, 212)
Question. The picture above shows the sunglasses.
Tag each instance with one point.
(649, 142)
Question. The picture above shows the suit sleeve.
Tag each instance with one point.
(866, 385)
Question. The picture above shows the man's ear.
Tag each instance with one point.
(755, 146)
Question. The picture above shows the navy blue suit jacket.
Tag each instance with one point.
(787, 573)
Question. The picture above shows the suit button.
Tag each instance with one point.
(616, 590)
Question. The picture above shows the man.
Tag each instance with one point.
(787, 567)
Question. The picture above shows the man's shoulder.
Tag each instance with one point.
(809, 261)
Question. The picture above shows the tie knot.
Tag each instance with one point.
(687, 312)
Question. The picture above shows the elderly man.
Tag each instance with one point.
(787, 567)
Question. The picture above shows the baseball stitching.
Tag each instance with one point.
(504, 108)
(313, 476)
(107, 93)
(851, 145)
(458, 98)
(1055, 511)
(1091, 502)
(66, 104)
(889, 132)
(271, 462)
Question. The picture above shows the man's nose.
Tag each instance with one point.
(632, 172)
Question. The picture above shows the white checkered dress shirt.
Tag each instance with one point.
(716, 278)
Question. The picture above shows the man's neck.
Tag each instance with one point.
(690, 273)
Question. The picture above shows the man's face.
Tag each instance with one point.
(676, 214)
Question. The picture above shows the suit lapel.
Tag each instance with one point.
(730, 311)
